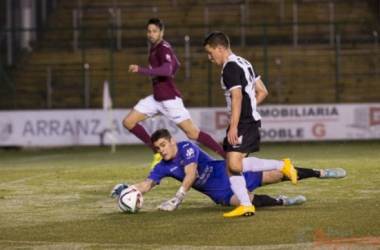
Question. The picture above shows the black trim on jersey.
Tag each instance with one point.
(230, 72)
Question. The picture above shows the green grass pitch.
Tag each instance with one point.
(59, 199)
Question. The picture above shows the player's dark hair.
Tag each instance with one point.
(217, 38)
(161, 133)
(156, 22)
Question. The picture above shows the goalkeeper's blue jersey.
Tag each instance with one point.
(211, 179)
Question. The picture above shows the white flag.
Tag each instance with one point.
(107, 102)
(107, 105)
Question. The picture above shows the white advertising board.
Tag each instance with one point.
(46, 128)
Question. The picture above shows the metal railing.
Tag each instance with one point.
(24, 16)
(8, 88)
(329, 5)
(73, 79)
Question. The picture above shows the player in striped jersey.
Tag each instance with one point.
(243, 90)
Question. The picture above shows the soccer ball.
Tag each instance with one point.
(130, 200)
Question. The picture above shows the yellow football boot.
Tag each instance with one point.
(289, 171)
(241, 211)
(156, 159)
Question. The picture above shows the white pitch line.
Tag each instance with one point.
(29, 178)
(348, 244)
(76, 245)
(43, 157)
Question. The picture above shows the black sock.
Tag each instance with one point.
(304, 173)
(263, 200)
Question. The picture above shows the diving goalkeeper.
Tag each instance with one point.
(187, 163)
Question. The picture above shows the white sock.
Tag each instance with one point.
(238, 186)
(253, 164)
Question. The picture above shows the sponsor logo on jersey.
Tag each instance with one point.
(190, 153)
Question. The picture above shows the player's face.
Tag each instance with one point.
(214, 54)
(154, 34)
(166, 148)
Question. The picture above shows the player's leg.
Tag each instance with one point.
(332, 173)
(193, 133)
(234, 166)
(131, 123)
(249, 135)
(271, 177)
(257, 179)
(175, 111)
(288, 201)
(263, 200)
(274, 176)
(144, 109)
(251, 143)
(253, 164)
(304, 173)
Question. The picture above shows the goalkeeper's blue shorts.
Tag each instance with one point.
(253, 180)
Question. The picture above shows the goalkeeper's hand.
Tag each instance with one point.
(117, 189)
(170, 205)
(174, 202)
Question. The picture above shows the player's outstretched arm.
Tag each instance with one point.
(173, 203)
(143, 187)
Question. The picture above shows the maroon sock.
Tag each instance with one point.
(209, 142)
(140, 132)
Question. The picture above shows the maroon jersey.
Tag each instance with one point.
(163, 86)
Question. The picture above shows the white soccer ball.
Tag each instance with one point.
(130, 200)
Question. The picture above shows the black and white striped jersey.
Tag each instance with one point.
(238, 73)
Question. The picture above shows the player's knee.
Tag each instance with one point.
(128, 124)
(234, 164)
(235, 169)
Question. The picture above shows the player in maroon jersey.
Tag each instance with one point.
(166, 98)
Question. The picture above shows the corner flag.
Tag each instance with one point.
(107, 106)
(107, 101)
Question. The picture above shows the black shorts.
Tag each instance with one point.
(250, 133)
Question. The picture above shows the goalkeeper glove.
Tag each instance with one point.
(174, 202)
(117, 189)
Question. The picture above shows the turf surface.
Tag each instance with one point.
(59, 199)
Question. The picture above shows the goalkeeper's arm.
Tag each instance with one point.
(173, 203)
(143, 187)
